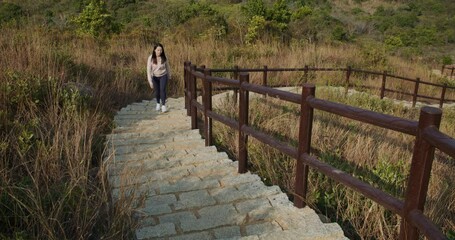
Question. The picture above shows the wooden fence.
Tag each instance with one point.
(450, 69)
(386, 78)
(426, 131)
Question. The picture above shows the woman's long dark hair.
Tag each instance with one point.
(163, 55)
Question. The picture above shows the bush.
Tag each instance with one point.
(254, 8)
(96, 21)
(117, 4)
(10, 11)
(340, 34)
(393, 42)
(447, 60)
(255, 28)
(279, 13)
(301, 13)
(374, 56)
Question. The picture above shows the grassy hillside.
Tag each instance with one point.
(68, 65)
(422, 29)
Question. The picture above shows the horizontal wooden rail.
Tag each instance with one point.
(271, 92)
(384, 199)
(366, 71)
(350, 71)
(197, 105)
(428, 228)
(271, 141)
(440, 140)
(224, 81)
(374, 118)
(274, 69)
(225, 120)
(401, 78)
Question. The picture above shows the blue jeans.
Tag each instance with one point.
(160, 85)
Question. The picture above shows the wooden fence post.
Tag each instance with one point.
(305, 128)
(207, 107)
(243, 121)
(264, 77)
(416, 91)
(422, 159)
(443, 93)
(305, 73)
(186, 76)
(193, 87)
(442, 70)
(348, 76)
(236, 76)
(384, 76)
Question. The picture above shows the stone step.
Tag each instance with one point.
(150, 148)
(132, 138)
(121, 159)
(151, 164)
(167, 175)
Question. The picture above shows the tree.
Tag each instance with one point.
(95, 20)
(254, 8)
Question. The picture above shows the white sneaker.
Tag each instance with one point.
(163, 108)
(158, 107)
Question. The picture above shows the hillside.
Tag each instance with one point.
(422, 29)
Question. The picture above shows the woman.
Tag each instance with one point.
(158, 73)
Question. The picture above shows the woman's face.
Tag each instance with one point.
(158, 51)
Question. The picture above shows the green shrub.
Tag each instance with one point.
(447, 60)
(374, 56)
(426, 36)
(301, 13)
(117, 4)
(95, 20)
(406, 19)
(10, 11)
(356, 11)
(255, 28)
(393, 42)
(254, 8)
(272, 22)
(340, 34)
(279, 13)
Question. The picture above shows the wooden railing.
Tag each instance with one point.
(415, 93)
(426, 132)
(450, 70)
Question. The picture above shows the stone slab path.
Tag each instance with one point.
(184, 190)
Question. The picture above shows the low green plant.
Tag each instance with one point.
(447, 60)
(393, 42)
(301, 12)
(255, 28)
(340, 34)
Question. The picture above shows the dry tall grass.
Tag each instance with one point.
(57, 99)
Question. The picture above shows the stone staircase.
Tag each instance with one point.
(184, 190)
